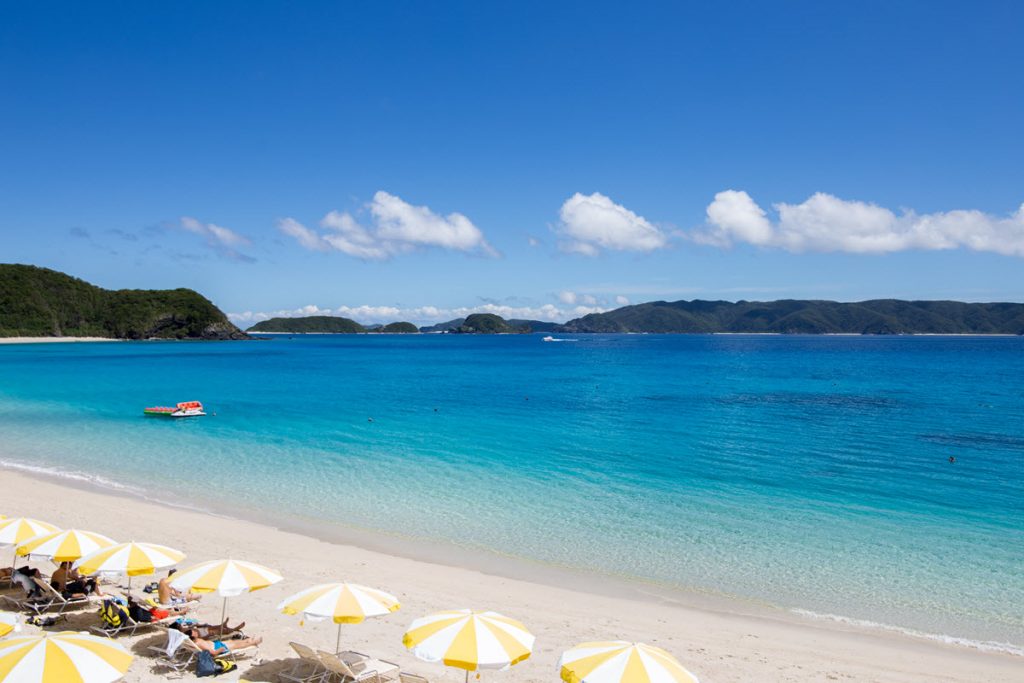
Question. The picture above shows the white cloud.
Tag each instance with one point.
(738, 217)
(221, 239)
(622, 300)
(214, 233)
(827, 223)
(396, 227)
(422, 314)
(571, 298)
(592, 223)
(532, 241)
(303, 235)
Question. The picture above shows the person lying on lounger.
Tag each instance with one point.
(169, 595)
(208, 631)
(222, 647)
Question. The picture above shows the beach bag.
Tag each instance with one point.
(224, 666)
(206, 665)
(114, 615)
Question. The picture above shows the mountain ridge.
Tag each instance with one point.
(40, 302)
(806, 316)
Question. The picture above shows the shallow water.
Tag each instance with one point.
(808, 472)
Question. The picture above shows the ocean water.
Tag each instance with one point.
(808, 473)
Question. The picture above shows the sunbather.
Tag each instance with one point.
(68, 581)
(222, 647)
(169, 595)
(208, 630)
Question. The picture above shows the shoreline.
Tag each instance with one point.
(55, 340)
(31, 493)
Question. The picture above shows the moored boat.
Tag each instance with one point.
(184, 409)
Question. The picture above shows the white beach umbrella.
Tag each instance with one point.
(619, 661)
(226, 578)
(343, 603)
(64, 546)
(469, 640)
(65, 657)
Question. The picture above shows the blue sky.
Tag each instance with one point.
(417, 160)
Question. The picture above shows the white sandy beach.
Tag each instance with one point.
(52, 340)
(718, 646)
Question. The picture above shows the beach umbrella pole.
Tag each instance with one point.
(337, 643)
(223, 610)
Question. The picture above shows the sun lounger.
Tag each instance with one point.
(51, 598)
(171, 655)
(406, 677)
(308, 669)
(186, 606)
(130, 626)
(180, 652)
(366, 670)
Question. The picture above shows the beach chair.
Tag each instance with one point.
(406, 677)
(180, 653)
(233, 655)
(52, 598)
(171, 655)
(186, 606)
(128, 625)
(309, 668)
(366, 670)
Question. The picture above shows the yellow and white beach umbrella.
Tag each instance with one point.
(130, 559)
(618, 661)
(64, 546)
(469, 640)
(343, 603)
(63, 657)
(9, 622)
(17, 529)
(226, 578)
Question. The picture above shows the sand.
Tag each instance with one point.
(718, 645)
(52, 340)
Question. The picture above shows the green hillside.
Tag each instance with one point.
(314, 324)
(880, 316)
(399, 328)
(38, 302)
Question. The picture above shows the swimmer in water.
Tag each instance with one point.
(952, 460)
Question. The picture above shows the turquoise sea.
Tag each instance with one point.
(809, 473)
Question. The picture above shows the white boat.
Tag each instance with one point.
(548, 338)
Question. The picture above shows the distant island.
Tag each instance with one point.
(792, 316)
(328, 324)
(479, 325)
(788, 316)
(39, 302)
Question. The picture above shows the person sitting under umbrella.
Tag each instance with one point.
(169, 595)
(69, 582)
